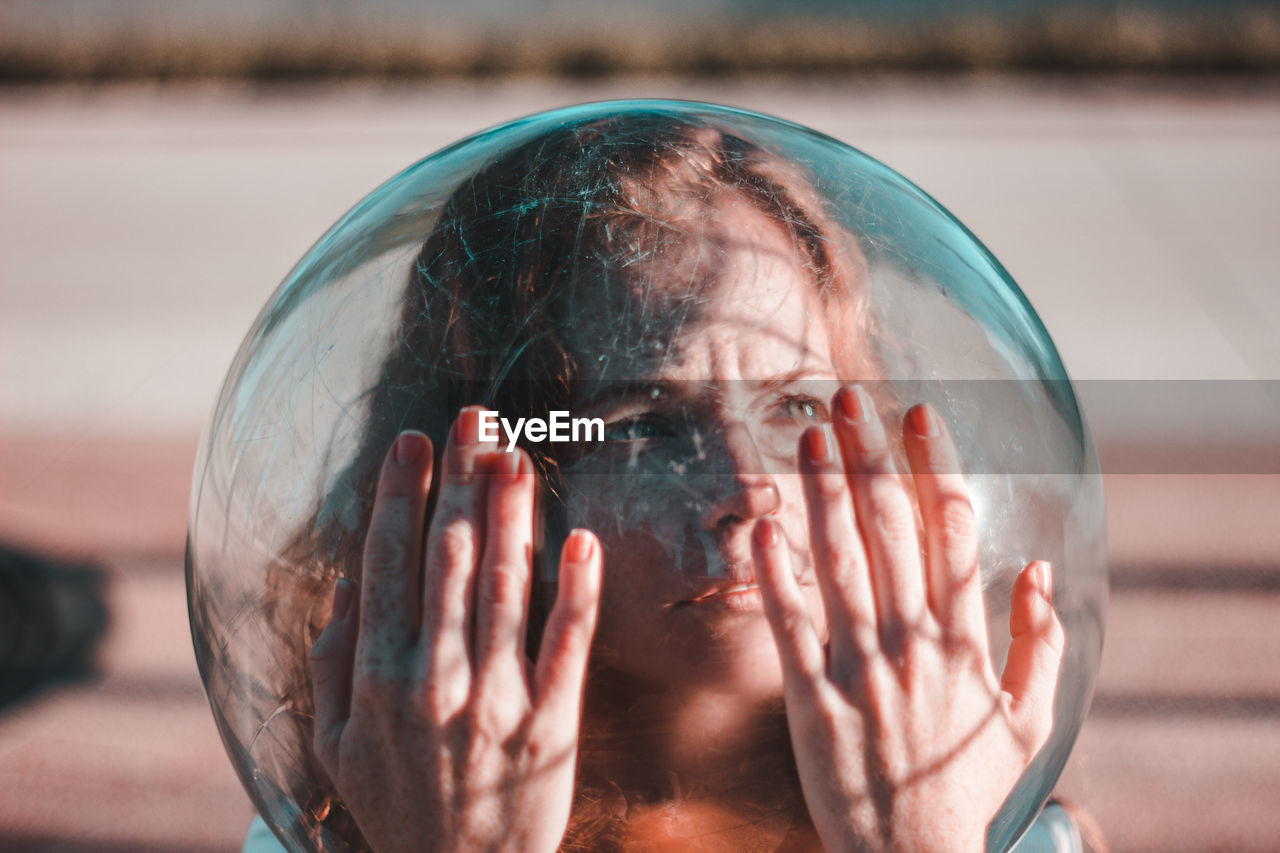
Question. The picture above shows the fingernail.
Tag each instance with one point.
(924, 421)
(1044, 580)
(766, 533)
(819, 443)
(508, 464)
(466, 433)
(409, 448)
(467, 427)
(342, 595)
(855, 404)
(578, 548)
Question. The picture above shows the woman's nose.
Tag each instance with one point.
(741, 490)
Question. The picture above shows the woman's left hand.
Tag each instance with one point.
(904, 738)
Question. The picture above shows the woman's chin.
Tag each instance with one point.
(732, 654)
(748, 667)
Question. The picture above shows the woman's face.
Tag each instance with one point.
(706, 364)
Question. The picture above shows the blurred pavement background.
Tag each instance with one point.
(142, 225)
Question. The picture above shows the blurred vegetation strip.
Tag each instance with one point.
(68, 40)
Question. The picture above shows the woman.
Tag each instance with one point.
(773, 659)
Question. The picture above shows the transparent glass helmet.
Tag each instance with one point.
(685, 295)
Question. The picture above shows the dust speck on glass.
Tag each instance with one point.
(699, 279)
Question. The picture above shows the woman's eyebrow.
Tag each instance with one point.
(608, 393)
(800, 374)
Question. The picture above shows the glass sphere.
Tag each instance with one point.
(703, 279)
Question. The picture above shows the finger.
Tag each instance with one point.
(1031, 671)
(502, 586)
(840, 558)
(566, 641)
(799, 649)
(392, 548)
(885, 517)
(332, 660)
(954, 584)
(453, 550)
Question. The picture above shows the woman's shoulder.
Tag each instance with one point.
(1052, 832)
(259, 838)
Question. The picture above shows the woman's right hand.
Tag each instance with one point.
(437, 730)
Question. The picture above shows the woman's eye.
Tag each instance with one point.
(636, 429)
(805, 409)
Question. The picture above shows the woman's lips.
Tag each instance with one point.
(743, 597)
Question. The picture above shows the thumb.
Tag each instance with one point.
(332, 660)
(1031, 673)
